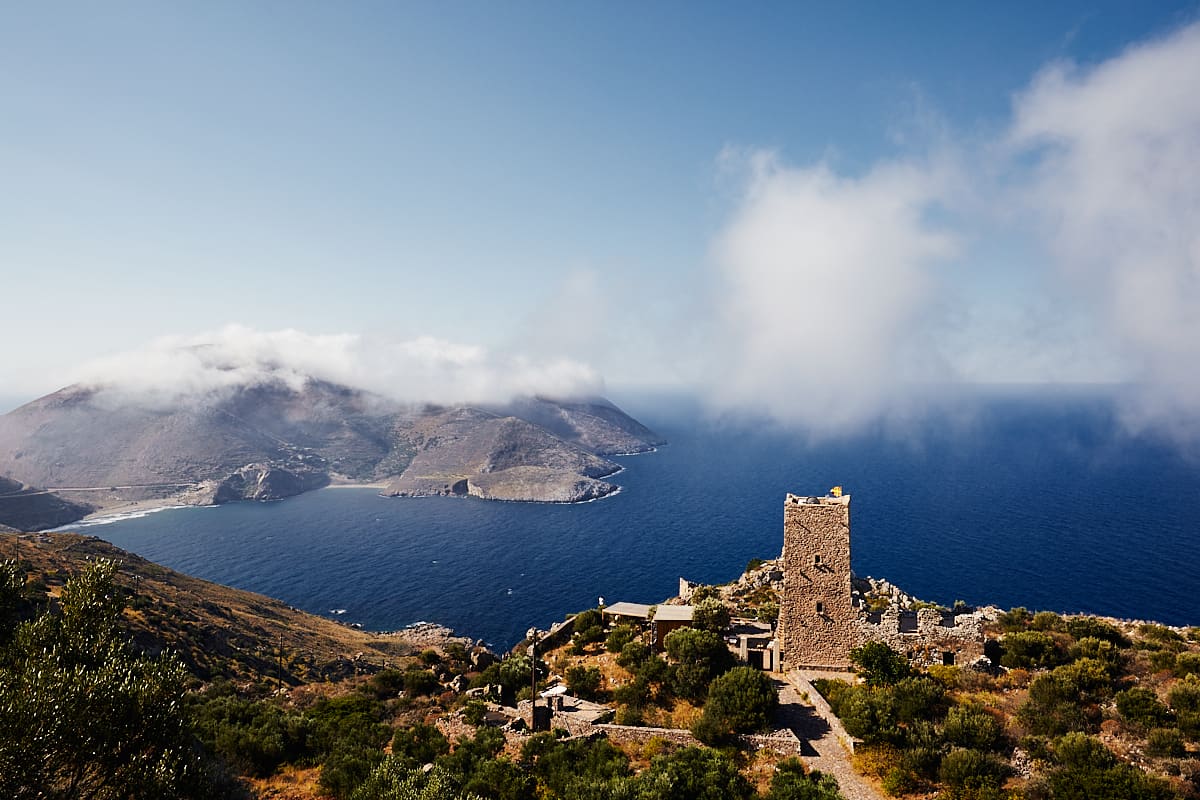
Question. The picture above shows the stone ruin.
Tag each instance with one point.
(824, 611)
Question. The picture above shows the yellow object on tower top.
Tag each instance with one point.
(836, 491)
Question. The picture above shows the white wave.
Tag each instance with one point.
(111, 518)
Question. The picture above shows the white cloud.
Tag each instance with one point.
(424, 369)
(1073, 256)
(1116, 193)
(825, 284)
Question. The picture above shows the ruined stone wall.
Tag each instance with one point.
(927, 635)
(818, 624)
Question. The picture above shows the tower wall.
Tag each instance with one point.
(817, 622)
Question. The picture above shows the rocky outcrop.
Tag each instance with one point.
(537, 484)
(265, 482)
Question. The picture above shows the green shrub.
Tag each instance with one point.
(1162, 660)
(971, 727)
(1187, 664)
(869, 714)
(255, 737)
(346, 767)
(1030, 650)
(384, 684)
(693, 773)
(1046, 621)
(900, 781)
(832, 689)
(420, 682)
(1087, 770)
(1083, 627)
(792, 781)
(970, 768)
(419, 744)
(584, 682)
(1165, 743)
(710, 614)
(699, 657)
(1015, 619)
(739, 701)
(1162, 636)
(633, 654)
(585, 636)
(635, 694)
(592, 618)
(1141, 707)
(879, 664)
(473, 711)
(1184, 699)
(918, 697)
(754, 564)
(768, 612)
(630, 715)
(618, 637)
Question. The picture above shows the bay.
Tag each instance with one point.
(1015, 499)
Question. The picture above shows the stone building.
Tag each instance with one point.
(821, 616)
(818, 623)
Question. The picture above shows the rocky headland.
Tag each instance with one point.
(94, 449)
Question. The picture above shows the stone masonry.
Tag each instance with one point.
(818, 623)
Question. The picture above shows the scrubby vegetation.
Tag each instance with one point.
(1076, 708)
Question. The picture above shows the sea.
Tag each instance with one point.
(1043, 500)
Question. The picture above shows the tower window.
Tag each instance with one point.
(820, 608)
(817, 560)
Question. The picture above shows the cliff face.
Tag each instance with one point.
(268, 441)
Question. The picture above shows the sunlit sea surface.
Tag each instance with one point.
(1039, 501)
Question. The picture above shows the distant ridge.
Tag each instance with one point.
(98, 448)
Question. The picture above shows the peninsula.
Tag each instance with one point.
(96, 449)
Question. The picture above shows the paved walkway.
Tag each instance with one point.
(821, 733)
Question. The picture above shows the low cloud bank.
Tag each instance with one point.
(171, 370)
(835, 296)
(826, 284)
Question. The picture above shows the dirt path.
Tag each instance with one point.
(821, 733)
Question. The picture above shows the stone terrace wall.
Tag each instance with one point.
(782, 741)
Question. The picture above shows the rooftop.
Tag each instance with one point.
(673, 614)
(827, 500)
(639, 610)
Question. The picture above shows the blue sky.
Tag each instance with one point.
(568, 181)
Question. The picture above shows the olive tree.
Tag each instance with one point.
(84, 716)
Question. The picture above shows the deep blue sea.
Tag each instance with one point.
(1027, 500)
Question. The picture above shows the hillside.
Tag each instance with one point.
(216, 630)
(103, 448)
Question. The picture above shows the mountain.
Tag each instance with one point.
(28, 509)
(104, 448)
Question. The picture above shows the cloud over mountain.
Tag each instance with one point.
(420, 370)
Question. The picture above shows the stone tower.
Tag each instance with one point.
(817, 621)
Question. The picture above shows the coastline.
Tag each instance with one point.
(124, 511)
